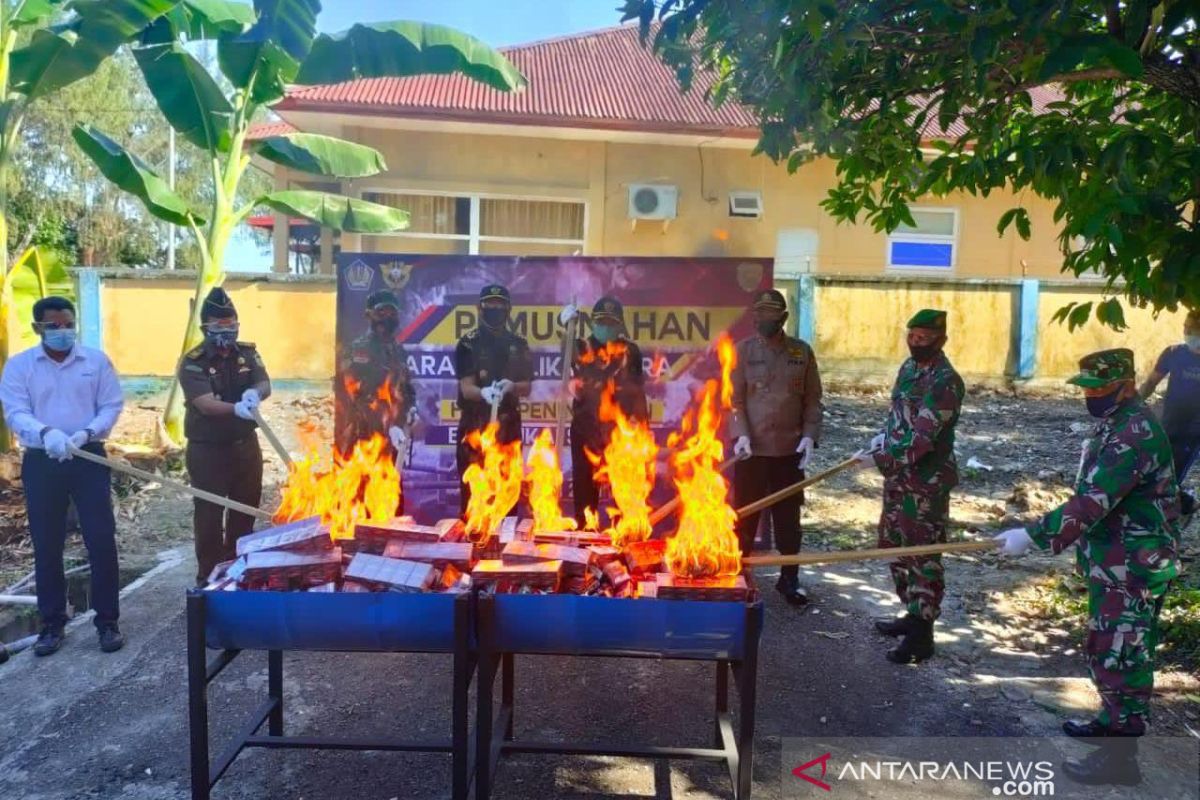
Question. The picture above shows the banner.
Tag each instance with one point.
(675, 308)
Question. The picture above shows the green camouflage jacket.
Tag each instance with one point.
(1125, 511)
(918, 449)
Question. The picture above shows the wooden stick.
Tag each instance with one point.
(272, 438)
(668, 508)
(568, 356)
(794, 489)
(232, 505)
(887, 553)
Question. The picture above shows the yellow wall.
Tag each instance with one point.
(292, 324)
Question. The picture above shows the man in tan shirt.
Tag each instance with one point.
(776, 426)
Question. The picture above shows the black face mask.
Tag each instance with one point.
(385, 328)
(1101, 407)
(923, 353)
(494, 318)
(768, 328)
(221, 340)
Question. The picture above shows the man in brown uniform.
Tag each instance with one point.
(223, 381)
(776, 426)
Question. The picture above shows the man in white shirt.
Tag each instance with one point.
(58, 396)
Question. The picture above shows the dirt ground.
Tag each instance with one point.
(1008, 663)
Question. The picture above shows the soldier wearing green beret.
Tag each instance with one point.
(1123, 522)
(915, 453)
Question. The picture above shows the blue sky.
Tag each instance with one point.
(497, 22)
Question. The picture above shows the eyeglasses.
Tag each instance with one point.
(57, 326)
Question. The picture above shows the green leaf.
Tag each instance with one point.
(1125, 59)
(1111, 313)
(335, 211)
(187, 95)
(400, 49)
(34, 12)
(133, 175)
(36, 274)
(198, 20)
(322, 155)
(269, 54)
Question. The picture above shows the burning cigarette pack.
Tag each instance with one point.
(515, 577)
(373, 537)
(573, 538)
(586, 583)
(673, 587)
(452, 579)
(303, 536)
(282, 570)
(505, 533)
(645, 557)
(460, 554)
(391, 573)
(603, 554)
(617, 576)
(575, 560)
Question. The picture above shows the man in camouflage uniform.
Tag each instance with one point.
(776, 426)
(375, 361)
(494, 368)
(1123, 520)
(915, 453)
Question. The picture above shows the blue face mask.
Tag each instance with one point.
(60, 341)
(1101, 407)
(604, 333)
(1192, 340)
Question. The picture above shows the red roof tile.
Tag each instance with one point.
(263, 130)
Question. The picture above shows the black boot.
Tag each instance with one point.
(1113, 762)
(1093, 729)
(789, 586)
(896, 627)
(917, 644)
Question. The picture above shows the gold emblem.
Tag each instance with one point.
(396, 274)
(749, 275)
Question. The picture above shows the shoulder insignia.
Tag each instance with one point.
(246, 345)
(194, 368)
(195, 352)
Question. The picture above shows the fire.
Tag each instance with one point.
(627, 465)
(360, 487)
(495, 483)
(705, 545)
(591, 520)
(545, 484)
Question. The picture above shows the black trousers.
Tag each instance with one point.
(233, 470)
(583, 481)
(49, 487)
(754, 479)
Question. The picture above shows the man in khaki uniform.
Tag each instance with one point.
(776, 426)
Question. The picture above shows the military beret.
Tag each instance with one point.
(1104, 367)
(495, 291)
(384, 297)
(217, 305)
(930, 318)
(608, 308)
(770, 299)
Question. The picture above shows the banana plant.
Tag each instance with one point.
(45, 46)
(261, 50)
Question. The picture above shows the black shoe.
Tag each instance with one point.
(917, 644)
(49, 641)
(896, 627)
(111, 638)
(1093, 729)
(792, 591)
(1114, 763)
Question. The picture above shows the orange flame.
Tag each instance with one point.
(545, 485)
(627, 465)
(591, 520)
(495, 483)
(705, 545)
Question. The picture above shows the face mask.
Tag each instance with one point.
(767, 328)
(495, 318)
(386, 326)
(1192, 341)
(604, 333)
(1101, 407)
(923, 353)
(222, 338)
(60, 341)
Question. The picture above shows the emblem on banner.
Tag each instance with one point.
(359, 276)
(749, 275)
(396, 274)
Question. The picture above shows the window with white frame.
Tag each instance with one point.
(931, 244)
(482, 224)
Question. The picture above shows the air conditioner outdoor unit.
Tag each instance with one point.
(652, 201)
(745, 204)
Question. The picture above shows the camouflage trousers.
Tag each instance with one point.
(912, 519)
(1121, 639)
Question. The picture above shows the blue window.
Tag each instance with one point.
(931, 244)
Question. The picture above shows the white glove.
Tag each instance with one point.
(242, 410)
(79, 438)
(864, 459)
(57, 445)
(505, 386)
(877, 443)
(491, 394)
(741, 448)
(1014, 541)
(398, 436)
(252, 399)
(569, 312)
(412, 417)
(805, 450)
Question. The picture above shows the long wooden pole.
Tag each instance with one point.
(794, 489)
(888, 553)
(232, 505)
(272, 438)
(568, 357)
(668, 508)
